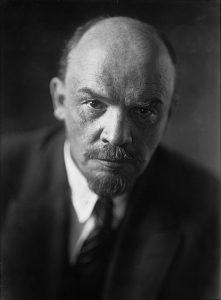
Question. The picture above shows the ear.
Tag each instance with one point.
(57, 89)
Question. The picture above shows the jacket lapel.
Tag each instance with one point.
(145, 247)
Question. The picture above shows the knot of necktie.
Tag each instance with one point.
(103, 212)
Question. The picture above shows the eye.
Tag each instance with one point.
(95, 104)
(149, 113)
(143, 110)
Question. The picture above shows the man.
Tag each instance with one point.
(114, 94)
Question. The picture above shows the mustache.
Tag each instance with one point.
(112, 153)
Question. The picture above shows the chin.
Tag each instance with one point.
(110, 185)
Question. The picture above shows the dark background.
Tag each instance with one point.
(32, 34)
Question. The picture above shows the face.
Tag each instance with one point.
(115, 103)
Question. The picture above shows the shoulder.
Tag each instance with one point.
(25, 154)
(191, 190)
(15, 144)
(176, 168)
(17, 150)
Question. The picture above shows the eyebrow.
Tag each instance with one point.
(92, 93)
(152, 99)
(95, 95)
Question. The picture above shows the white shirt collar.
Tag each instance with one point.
(82, 197)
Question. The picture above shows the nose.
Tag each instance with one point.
(116, 129)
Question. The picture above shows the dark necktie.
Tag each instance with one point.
(95, 252)
(93, 246)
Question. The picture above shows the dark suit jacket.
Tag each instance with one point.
(166, 247)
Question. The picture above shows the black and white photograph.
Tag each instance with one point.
(110, 150)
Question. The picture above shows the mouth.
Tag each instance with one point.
(117, 161)
(114, 164)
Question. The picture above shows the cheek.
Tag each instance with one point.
(80, 133)
(77, 116)
(75, 132)
(73, 125)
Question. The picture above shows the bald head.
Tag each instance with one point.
(121, 54)
(115, 30)
(120, 30)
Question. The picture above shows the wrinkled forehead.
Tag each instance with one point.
(121, 66)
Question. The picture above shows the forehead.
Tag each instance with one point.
(121, 69)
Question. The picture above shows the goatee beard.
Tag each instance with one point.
(115, 183)
(109, 186)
